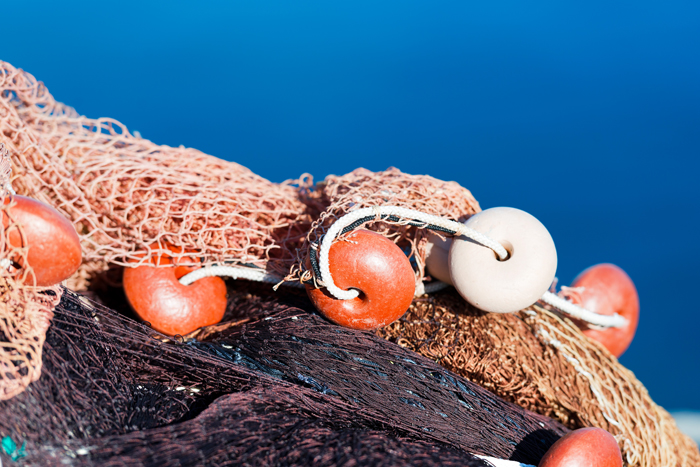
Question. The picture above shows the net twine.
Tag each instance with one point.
(113, 389)
(543, 362)
(25, 311)
(337, 196)
(131, 199)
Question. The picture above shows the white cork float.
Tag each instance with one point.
(503, 285)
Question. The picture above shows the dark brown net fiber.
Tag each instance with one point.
(544, 363)
(111, 387)
(265, 427)
(114, 392)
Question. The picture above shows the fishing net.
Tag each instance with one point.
(25, 313)
(111, 387)
(339, 195)
(285, 388)
(130, 198)
(543, 362)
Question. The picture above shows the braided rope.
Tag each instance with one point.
(419, 219)
(355, 219)
(257, 275)
(603, 321)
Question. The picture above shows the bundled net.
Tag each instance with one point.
(543, 362)
(285, 388)
(339, 195)
(25, 312)
(111, 387)
(130, 199)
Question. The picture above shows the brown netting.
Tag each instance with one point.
(336, 196)
(294, 388)
(129, 197)
(105, 376)
(25, 312)
(544, 363)
(25, 315)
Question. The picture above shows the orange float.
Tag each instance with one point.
(585, 447)
(54, 252)
(375, 266)
(606, 289)
(171, 308)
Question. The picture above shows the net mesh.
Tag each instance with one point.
(130, 198)
(106, 377)
(544, 363)
(338, 195)
(25, 312)
(285, 387)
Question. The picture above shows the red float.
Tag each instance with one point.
(585, 447)
(375, 266)
(606, 290)
(54, 252)
(170, 307)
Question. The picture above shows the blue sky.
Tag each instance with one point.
(586, 115)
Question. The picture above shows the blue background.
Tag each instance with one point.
(586, 115)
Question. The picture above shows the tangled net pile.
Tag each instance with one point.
(105, 377)
(543, 362)
(336, 196)
(25, 313)
(287, 388)
(129, 197)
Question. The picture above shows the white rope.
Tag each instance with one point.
(402, 213)
(234, 272)
(604, 321)
(502, 462)
(258, 275)
(406, 214)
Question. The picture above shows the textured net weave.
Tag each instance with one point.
(285, 434)
(25, 312)
(294, 387)
(544, 363)
(336, 196)
(129, 197)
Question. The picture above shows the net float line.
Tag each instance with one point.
(446, 226)
(360, 217)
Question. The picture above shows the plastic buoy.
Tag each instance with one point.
(514, 283)
(436, 257)
(170, 307)
(585, 447)
(606, 289)
(375, 266)
(54, 252)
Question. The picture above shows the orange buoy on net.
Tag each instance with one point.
(379, 269)
(171, 308)
(606, 289)
(53, 245)
(585, 447)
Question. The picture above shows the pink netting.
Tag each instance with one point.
(130, 198)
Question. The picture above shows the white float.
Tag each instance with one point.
(503, 286)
